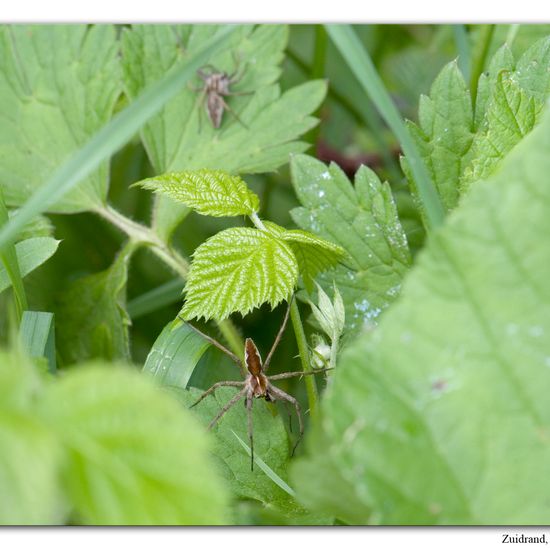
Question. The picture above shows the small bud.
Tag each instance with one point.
(330, 315)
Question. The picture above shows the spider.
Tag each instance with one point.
(215, 88)
(255, 384)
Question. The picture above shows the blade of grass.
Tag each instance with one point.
(37, 334)
(364, 70)
(8, 257)
(512, 33)
(266, 469)
(155, 299)
(463, 48)
(481, 51)
(110, 138)
(175, 354)
(362, 111)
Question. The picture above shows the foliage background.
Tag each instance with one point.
(397, 399)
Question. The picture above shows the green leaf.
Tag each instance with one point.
(58, 87)
(91, 317)
(441, 415)
(363, 221)
(37, 334)
(270, 445)
(31, 253)
(208, 192)
(314, 254)
(175, 354)
(239, 269)
(108, 140)
(182, 138)
(511, 115)
(444, 134)
(133, 455)
(30, 457)
(360, 63)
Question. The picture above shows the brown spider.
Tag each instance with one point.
(255, 384)
(215, 88)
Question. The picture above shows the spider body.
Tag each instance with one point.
(256, 381)
(256, 384)
(217, 86)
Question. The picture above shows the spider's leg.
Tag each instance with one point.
(298, 373)
(280, 394)
(215, 387)
(289, 416)
(278, 337)
(233, 112)
(226, 407)
(238, 93)
(215, 343)
(249, 403)
(234, 77)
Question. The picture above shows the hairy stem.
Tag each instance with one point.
(145, 236)
(311, 386)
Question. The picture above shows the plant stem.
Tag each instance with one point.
(8, 256)
(256, 221)
(478, 62)
(333, 351)
(311, 386)
(142, 235)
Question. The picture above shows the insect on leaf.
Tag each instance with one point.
(208, 192)
(239, 269)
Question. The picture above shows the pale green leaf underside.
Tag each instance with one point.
(208, 192)
(363, 221)
(31, 253)
(135, 457)
(58, 86)
(441, 415)
(239, 269)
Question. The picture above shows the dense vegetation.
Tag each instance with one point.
(394, 180)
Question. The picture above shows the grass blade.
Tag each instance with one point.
(37, 333)
(8, 257)
(362, 67)
(463, 48)
(266, 469)
(175, 354)
(155, 299)
(110, 138)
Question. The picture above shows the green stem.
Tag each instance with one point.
(142, 235)
(333, 352)
(311, 386)
(480, 57)
(8, 256)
